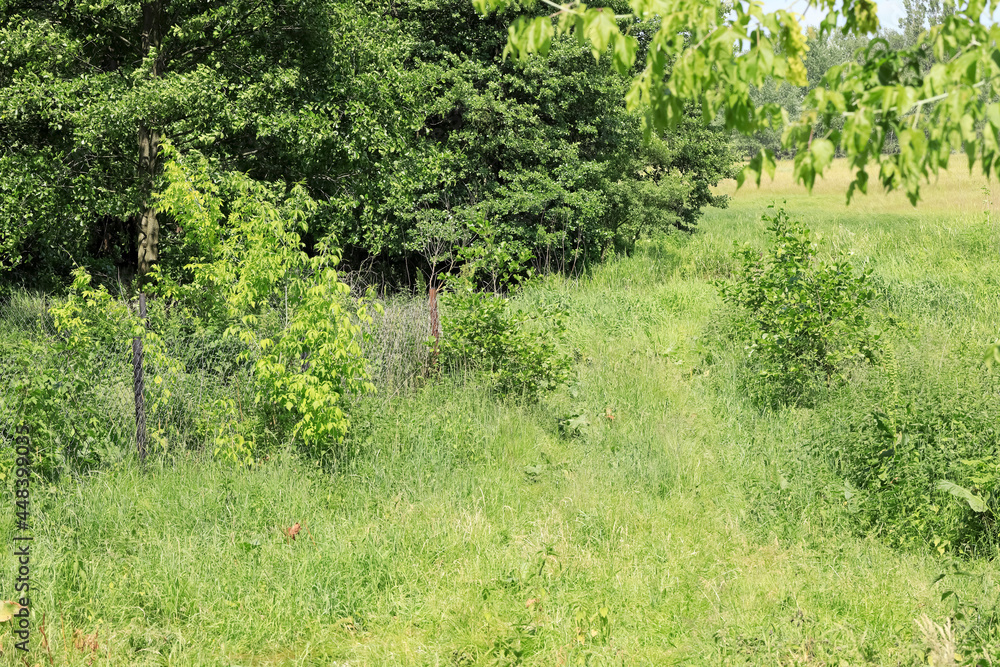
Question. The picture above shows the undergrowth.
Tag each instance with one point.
(648, 510)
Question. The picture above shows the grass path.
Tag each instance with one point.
(676, 527)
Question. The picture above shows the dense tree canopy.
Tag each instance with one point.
(542, 152)
(404, 121)
(87, 90)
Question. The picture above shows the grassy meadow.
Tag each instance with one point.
(646, 514)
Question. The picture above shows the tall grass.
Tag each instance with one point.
(673, 524)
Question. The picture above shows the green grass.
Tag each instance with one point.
(687, 529)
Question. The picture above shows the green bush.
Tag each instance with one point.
(801, 319)
(251, 265)
(518, 350)
(919, 450)
(64, 400)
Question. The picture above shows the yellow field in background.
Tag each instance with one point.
(955, 191)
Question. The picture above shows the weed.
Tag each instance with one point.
(909, 445)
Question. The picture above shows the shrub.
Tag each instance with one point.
(249, 263)
(518, 350)
(800, 319)
(919, 450)
(63, 396)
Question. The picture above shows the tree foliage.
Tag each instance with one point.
(542, 148)
(832, 50)
(402, 120)
(714, 53)
(276, 90)
(251, 263)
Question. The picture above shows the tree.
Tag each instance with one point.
(714, 53)
(542, 152)
(920, 15)
(281, 91)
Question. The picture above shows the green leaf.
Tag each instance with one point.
(768, 162)
(747, 173)
(975, 502)
(624, 53)
(599, 27)
(822, 151)
(529, 35)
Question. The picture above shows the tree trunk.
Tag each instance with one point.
(149, 143)
(149, 227)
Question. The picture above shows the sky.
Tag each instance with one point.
(889, 11)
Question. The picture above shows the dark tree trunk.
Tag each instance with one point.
(149, 227)
(149, 143)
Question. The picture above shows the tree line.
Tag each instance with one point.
(402, 120)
